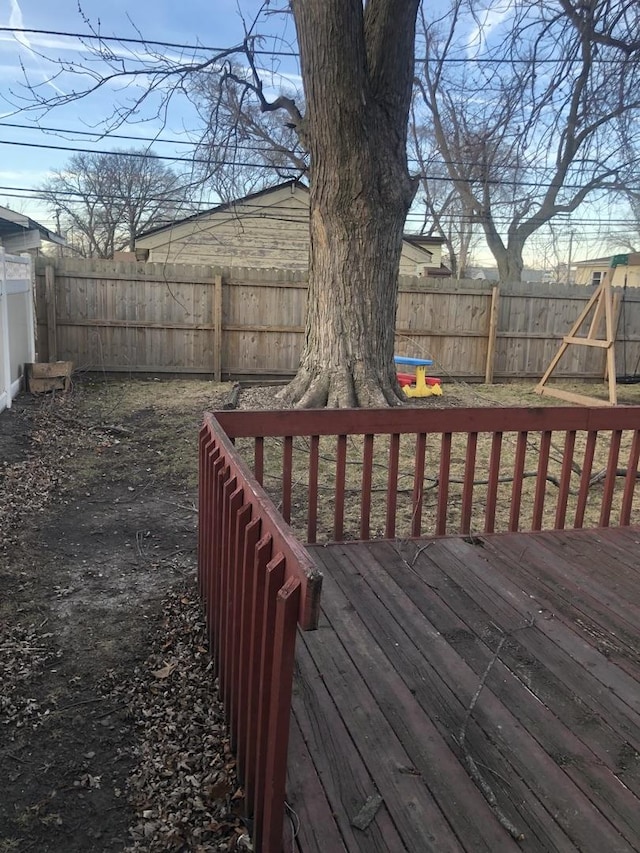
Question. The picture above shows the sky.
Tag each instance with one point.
(28, 152)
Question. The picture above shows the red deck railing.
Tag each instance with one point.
(361, 474)
(258, 584)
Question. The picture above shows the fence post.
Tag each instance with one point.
(492, 335)
(50, 301)
(5, 354)
(217, 328)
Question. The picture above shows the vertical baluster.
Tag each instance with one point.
(367, 473)
(258, 459)
(287, 477)
(443, 484)
(262, 559)
(392, 486)
(565, 479)
(204, 440)
(467, 486)
(492, 485)
(273, 583)
(249, 569)
(243, 517)
(217, 544)
(630, 480)
(518, 471)
(233, 502)
(418, 484)
(312, 496)
(338, 511)
(541, 480)
(610, 477)
(585, 477)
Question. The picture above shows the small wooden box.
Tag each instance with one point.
(44, 377)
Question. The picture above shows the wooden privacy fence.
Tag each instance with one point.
(17, 343)
(258, 584)
(364, 474)
(173, 318)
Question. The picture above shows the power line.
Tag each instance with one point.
(96, 133)
(92, 36)
(110, 135)
(272, 166)
(295, 214)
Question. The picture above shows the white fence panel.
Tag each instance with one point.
(17, 340)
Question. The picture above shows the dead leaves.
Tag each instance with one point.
(165, 671)
(184, 788)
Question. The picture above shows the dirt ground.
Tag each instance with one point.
(111, 736)
(97, 596)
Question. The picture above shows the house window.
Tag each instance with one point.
(596, 277)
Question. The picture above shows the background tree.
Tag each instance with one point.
(526, 115)
(104, 200)
(445, 212)
(357, 64)
(244, 148)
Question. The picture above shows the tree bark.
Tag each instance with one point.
(357, 70)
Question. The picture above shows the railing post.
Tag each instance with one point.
(280, 709)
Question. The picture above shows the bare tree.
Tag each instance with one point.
(243, 146)
(445, 212)
(104, 200)
(357, 63)
(526, 118)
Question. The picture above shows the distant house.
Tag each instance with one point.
(264, 230)
(592, 271)
(20, 233)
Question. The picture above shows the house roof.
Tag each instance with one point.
(220, 208)
(594, 262)
(418, 241)
(15, 225)
(422, 240)
(633, 260)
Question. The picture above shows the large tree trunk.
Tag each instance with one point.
(357, 69)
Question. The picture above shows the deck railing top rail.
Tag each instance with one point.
(239, 424)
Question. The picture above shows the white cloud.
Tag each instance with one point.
(489, 21)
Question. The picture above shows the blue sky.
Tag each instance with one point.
(210, 22)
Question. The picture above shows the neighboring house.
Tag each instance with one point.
(265, 230)
(529, 275)
(592, 271)
(20, 233)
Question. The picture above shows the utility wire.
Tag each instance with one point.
(275, 166)
(290, 53)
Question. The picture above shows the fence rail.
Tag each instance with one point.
(258, 584)
(239, 323)
(413, 473)
(17, 332)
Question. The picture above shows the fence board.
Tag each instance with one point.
(121, 316)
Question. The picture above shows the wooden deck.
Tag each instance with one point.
(515, 654)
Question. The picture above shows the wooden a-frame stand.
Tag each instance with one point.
(601, 303)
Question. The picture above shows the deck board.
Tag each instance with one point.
(383, 688)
